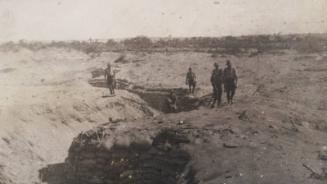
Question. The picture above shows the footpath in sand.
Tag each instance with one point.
(274, 133)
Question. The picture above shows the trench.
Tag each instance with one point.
(164, 161)
(157, 98)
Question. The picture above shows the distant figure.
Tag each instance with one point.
(110, 78)
(191, 80)
(230, 81)
(172, 101)
(217, 83)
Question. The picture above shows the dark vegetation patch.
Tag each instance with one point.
(304, 43)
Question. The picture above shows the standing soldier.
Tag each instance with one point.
(230, 81)
(110, 79)
(191, 80)
(217, 82)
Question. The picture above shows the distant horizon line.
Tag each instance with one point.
(164, 37)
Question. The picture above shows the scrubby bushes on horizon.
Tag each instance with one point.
(229, 44)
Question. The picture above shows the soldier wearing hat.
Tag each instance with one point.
(217, 82)
(110, 79)
(191, 80)
(230, 81)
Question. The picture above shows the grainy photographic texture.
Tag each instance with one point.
(163, 91)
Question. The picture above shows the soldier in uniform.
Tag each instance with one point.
(110, 79)
(191, 80)
(230, 81)
(217, 82)
(172, 101)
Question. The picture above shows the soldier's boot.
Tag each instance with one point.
(230, 97)
(219, 99)
(219, 103)
(193, 89)
(213, 103)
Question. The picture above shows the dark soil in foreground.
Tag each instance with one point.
(232, 144)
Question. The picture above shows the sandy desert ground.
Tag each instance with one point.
(274, 133)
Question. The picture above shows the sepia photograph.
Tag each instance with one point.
(163, 92)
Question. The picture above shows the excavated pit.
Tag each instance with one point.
(164, 161)
(160, 161)
(157, 98)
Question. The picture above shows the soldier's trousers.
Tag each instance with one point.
(111, 85)
(191, 86)
(217, 93)
(230, 89)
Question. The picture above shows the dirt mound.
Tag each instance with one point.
(230, 145)
(157, 160)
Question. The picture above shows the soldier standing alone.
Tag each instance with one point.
(217, 82)
(110, 78)
(191, 80)
(230, 81)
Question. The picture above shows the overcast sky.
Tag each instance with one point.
(83, 19)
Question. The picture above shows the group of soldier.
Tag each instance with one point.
(219, 78)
